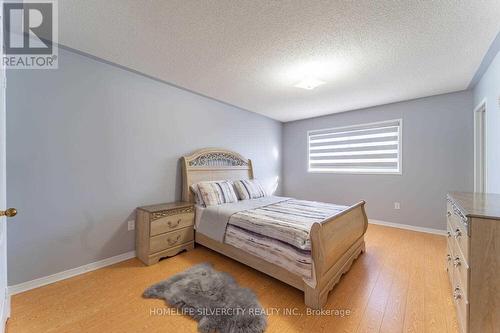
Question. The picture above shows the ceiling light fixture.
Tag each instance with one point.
(309, 83)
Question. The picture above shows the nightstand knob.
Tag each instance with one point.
(171, 225)
(172, 242)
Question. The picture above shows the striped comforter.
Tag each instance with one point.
(279, 233)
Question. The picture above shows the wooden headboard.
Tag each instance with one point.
(212, 164)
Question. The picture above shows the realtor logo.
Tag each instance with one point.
(30, 34)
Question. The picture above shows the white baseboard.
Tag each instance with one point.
(5, 311)
(7, 304)
(25, 286)
(408, 227)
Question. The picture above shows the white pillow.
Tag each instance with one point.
(214, 193)
(249, 189)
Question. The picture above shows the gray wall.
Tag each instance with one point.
(488, 89)
(89, 142)
(437, 157)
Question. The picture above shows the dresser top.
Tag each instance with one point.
(165, 206)
(480, 205)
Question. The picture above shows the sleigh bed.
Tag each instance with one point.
(335, 242)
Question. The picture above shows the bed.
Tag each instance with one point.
(335, 241)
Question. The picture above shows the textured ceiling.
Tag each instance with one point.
(252, 53)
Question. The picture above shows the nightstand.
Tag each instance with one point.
(164, 230)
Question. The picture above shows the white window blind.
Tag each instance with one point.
(367, 148)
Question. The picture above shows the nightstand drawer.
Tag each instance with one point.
(171, 239)
(155, 257)
(171, 223)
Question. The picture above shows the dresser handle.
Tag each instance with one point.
(171, 225)
(457, 294)
(456, 262)
(172, 242)
(458, 233)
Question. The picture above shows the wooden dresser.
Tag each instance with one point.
(164, 230)
(473, 259)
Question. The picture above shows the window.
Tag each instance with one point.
(368, 148)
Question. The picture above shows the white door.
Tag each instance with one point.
(480, 148)
(4, 304)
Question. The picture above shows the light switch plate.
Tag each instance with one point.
(131, 225)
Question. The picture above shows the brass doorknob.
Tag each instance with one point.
(10, 212)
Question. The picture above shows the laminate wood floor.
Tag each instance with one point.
(398, 285)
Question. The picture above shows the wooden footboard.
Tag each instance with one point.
(336, 243)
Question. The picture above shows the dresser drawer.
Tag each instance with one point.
(461, 271)
(462, 241)
(458, 231)
(461, 304)
(449, 233)
(171, 239)
(171, 223)
(458, 217)
(449, 260)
